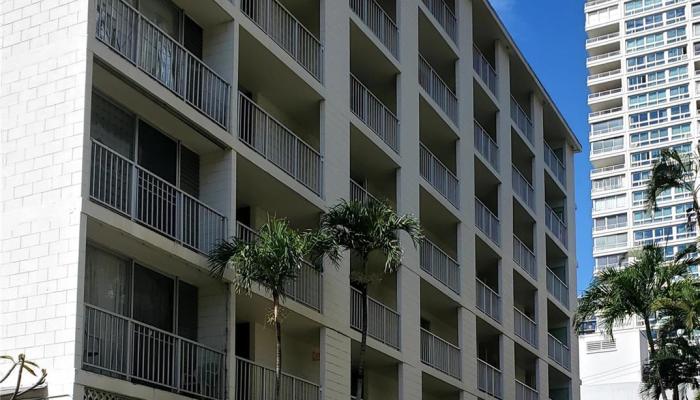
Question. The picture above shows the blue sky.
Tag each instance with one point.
(551, 35)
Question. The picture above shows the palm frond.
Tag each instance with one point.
(670, 171)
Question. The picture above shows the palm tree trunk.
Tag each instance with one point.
(652, 350)
(676, 393)
(278, 333)
(360, 388)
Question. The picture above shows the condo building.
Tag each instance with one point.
(643, 98)
(136, 134)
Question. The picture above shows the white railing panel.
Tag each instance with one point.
(555, 164)
(257, 382)
(556, 225)
(439, 176)
(524, 257)
(525, 392)
(444, 16)
(440, 354)
(557, 287)
(489, 379)
(558, 352)
(379, 22)
(523, 189)
(522, 120)
(439, 265)
(370, 110)
(488, 300)
(383, 323)
(486, 146)
(437, 89)
(487, 221)
(525, 327)
(485, 70)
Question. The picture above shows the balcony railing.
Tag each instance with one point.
(271, 139)
(140, 41)
(525, 328)
(444, 16)
(600, 57)
(382, 322)
(604, 74)
(254, 381)
(487, 222)
(307, 288)
(485, 71)
(610, 92)
(360, 194)
(436, 88)
(486, 146)
(556, 225)
(558, 352)
(557, 288)
(611, 168)
(127, 349)
(283, 28)
(523, 189)
(439, 265)
(379, 22)
(370, 110)
(602, 38)
(440, 354)
(439, 176)
(488, 301)
(489, 379)
(524, 257)
(521, 119)
(555, 164)
(118, 183)
(525, 392)
(607, 111)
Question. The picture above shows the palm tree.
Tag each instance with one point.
(672, 171)
(363, 228)
(618, 293)
(273, 260)
(676, 360)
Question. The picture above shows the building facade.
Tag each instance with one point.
(643, 99)
(138, 133)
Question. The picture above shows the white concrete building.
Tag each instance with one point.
(136, 133)
(642, 69)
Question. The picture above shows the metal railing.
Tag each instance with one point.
(444, 16)
(486, 146)
(360, 194)
(604, 74)
(485, 70)
(489, 379)
(379, 22)
(288, 32)
(607, 111)
(525, 328)
(440, 354)
(127, 349)
(555, 164)
(437, 89)
(307, 288)
(439, 176)
(611, 168)
(524, 257)
(124, 186)
(133, 36)
(521, 119)
(383, 323)
(271, 139)
(487, 222)
(370, 110)
(488, 301)
(439, 265)
(525, 392)
(604, 56)
(558, 351)
(591, 3)
(557, 288)
(601, 38)
(523, 189)
(556, 225)
(604, 93)
(257, 382)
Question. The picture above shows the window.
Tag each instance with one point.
(613, 260)
(678, 92)
(644, 217)
(640, 178)
(610, 203)
(603, 15)
(677, 73)
(675, 15)
(647, 99)
(645, 61)
(676, 54)
(607, 145)
(639, 198)
(680, 111)
(649, 236)
(674, 35)
(645, 42)
(638, 6)
(647, 157)
(644, 23)
(649, 137)
(610, 242)
(606, 126)
(646, 80)
(610, 222)
(609, 183)
(653, 117)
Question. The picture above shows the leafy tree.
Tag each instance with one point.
(273, 260)
(363, 228)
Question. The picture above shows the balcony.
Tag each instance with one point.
(370, 110)
(522, 120)
(124, 348)
(525, 392)
(611, 168)
(127, 188)
(557, 288)
(379, 22)
(524, 257)
(255, 381)
(602, 38)
(439, 176)
(488, 301)
(523, 189)
(360, 194)
(126, 31)
(485, 71)
(486, 146)
(440, 354)
(605, 74)
(436, 88)
(602, 57)
(279, 145)
(444, 16)
(556, 225)
(605, 93)
(555, 164)
(439, 265)
(558, 352)
(525, 328)
(285, 30)
(607, 111)
(382, 322)
(306, 289)
(487, 222)
(489, 379)
(593, 3)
